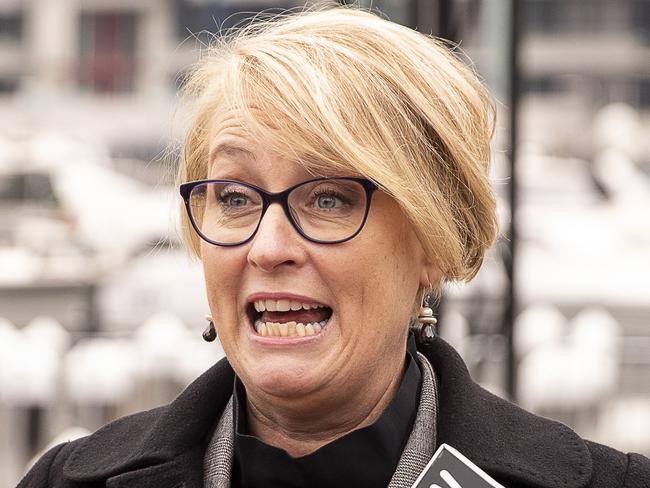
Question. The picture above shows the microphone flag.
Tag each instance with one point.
(448, 468)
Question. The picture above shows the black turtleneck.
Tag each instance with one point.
(364, 458)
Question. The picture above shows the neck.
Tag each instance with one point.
(302, 427)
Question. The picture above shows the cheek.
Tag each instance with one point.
(379, 274)
(396, 272)
(392, 255)
(221, 273)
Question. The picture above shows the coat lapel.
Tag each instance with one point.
(218, 459)
(184, 471)
(160, 447)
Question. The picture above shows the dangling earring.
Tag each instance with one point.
(210, 332)
(427, 323)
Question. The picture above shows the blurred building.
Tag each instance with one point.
(107, 69)
(577, 57)
(119, 64)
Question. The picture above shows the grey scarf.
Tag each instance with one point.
(217, 463)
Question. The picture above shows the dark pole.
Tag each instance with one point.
(445, 28)
(510, 258)
(413, 11)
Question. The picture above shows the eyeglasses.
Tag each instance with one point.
(325, 210)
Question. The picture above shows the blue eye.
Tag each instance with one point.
(235, 200)
(234, 196)
(327, 200)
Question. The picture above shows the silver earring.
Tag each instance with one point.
(210, 332)
(427, 323)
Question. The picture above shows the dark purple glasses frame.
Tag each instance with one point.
(280, 197)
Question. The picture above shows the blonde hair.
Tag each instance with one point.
(341, 89)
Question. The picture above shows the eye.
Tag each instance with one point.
(234, 199)
(327, 200)
(234, 196)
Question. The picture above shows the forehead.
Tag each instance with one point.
(233, 147)
(250, 139)
(226, 124)
(230, 139)
(234, 152)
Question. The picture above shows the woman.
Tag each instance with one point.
(335, 172)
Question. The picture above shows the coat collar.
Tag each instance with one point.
(155, 447)
(506, 441)
(166, 445)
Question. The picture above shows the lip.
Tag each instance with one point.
(285, 341)
(282, 296)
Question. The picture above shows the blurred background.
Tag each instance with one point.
(101, 309)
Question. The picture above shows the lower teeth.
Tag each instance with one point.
(288, 329)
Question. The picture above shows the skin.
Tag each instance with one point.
(302, 396)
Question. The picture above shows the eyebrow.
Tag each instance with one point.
(231, 151)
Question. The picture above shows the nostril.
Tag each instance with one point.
(269, 253)
(269, 262)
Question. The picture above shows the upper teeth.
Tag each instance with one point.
(283, 305)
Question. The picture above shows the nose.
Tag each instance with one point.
(276, 243)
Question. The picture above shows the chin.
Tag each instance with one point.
(293, 378)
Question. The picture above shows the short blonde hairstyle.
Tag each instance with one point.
(343, 90)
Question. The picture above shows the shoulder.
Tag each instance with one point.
(517, 447)
(612, 468)
(40, 474)
(153, 436)
(119, 436)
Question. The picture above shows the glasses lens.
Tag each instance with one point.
(328, 210)
(224, 212)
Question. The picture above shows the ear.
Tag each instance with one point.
(430, 272)
(430, 275)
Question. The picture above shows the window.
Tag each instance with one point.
(644, 93)
(572, 16)
(11, 26)
(9, 84)
(27, 188)
(107, 46)
(641, 19)
(542, 84)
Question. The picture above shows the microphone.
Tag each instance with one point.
(448, 468)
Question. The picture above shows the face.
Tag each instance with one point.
(365, 287)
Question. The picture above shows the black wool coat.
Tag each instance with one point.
(164, 447)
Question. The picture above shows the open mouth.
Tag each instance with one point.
(288, 318)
